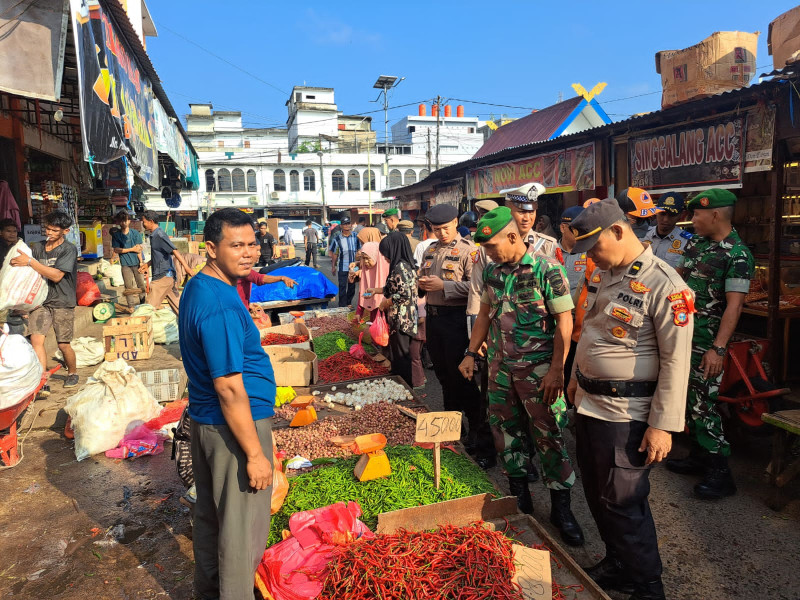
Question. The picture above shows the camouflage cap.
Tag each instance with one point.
(713, 198)
(492, 223)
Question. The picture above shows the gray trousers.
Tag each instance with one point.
(134, 279)
(231, 521)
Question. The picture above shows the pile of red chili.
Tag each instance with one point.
(280, 339)
(468, 563)
(342, 366)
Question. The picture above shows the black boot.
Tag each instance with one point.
(486, 462)
(519, 488)
(718, 481)
(533, 474)
(609, 574)
(694, 464)
(652, 590)
(561, 516)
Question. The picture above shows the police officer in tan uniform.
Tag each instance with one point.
(444, 279)
(629, 386)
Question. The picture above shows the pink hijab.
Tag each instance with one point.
(372, 278)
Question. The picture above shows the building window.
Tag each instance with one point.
(211, 182)
(294, 181)
(247, 143)
(309, 181)
(353, 181)
(224, 180)
(279, 180)
(412, 128)
(310, 97)
(337, 181)
(220, 143)
(423, 174)
(410, 177)
(470, 130)
(395, 179)
(369, 180)
(238, 180)
(251, 181)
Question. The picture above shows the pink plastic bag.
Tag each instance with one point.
(379, 330)
(357, 350)
(139, 441)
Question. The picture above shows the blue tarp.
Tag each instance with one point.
(310, 284)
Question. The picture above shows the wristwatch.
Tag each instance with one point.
(720, 350)
(469, 352)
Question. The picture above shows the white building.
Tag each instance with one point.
(458, 136)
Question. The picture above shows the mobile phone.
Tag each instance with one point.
(367, 294)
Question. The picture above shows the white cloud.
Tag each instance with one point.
(327, 30)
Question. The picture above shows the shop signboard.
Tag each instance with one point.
(569, 170)
(117, 115)
(692, 157)
(759, 139)
(169, 139)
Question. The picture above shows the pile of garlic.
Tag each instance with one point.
(363, 393)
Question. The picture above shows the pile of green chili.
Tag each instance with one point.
(410, 484)
(329, 344)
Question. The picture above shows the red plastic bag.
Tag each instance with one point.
(87, 290)
(379, 330)
(357, 350)
(171, 413)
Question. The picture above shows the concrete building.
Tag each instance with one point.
(458, 136)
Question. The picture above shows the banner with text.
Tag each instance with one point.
(117, 117)
(691, 158)
(567, 170)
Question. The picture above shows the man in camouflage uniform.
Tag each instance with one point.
(718, 267)
(526, 312)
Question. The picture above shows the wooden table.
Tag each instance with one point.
(277, 306)
(782, 469)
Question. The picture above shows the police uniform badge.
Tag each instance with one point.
(618, 332)
(639, 287)
(474, 256)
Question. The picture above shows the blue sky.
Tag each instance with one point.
(515, 53)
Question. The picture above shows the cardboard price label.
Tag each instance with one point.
(533, 572)
(438, 427)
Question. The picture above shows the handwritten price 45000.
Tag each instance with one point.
(438, 427)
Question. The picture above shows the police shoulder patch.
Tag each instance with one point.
(639, 287)
(474, 255)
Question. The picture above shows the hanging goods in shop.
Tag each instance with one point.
(374, 463)
(307, 414)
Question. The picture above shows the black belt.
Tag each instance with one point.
(435, 310)
(616, 389)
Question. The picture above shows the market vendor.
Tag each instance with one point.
(665, 237)
(629, 388)
(526, 314)
(639, 209)
(162, 251)
(232, 396)
(718, 267)
(254, 277)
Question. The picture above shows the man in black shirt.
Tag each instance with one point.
(266, 241)
(57, 261)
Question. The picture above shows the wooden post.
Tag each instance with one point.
(437, 463)
(777, 187)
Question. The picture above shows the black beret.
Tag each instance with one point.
(441, 214)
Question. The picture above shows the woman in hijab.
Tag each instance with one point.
(372, 271)
(400, 302)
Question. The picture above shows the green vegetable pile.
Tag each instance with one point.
(410, 484)
(329, 344)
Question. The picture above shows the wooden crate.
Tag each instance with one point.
(129, 338)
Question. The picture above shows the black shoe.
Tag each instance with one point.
(486, 462)
(519, 488)
(71, 380)
(718, 481)
(609, 574)
(533, 474)
(653, 590)
(694, 464)
(561, 516)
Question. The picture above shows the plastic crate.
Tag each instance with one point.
(163, 384)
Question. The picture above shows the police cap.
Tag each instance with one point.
(588, 225)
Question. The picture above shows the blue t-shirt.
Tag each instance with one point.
(127, 240)
(218, 337)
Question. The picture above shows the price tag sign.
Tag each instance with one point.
(533, 573)
(438, 427)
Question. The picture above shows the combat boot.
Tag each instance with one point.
(533, 474)
(718, 481)
(652, 590)
(519, 488)
(561, 516)
(609, 574)
(694, 464)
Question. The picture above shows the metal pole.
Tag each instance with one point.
(386, 132)
(322, 184)
(438, 110)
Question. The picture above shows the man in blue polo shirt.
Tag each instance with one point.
(231, 400)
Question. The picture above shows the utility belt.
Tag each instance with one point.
(616, 389)
(433, 310)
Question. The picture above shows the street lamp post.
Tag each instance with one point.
(385, 83)
(322, 184)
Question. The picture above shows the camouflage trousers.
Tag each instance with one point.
(702, 418)
(517, 414)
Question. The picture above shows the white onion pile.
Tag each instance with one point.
(363, 393)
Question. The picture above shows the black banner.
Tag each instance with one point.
(692, 157)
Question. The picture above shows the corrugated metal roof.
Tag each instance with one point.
(536, 127)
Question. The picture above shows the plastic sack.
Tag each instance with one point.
(295, 568)
(114, 272)
(89, 351)
(379, 330)
(20, 369)
(87, 291)
(280, 484)
(140, 441)
(357, 350)
(21, 288)
(113, 401)
(165, 323)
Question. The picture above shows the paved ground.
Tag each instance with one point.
(736, 549)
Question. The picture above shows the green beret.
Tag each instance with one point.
(713, 198)
(492, 223)
(391, 212)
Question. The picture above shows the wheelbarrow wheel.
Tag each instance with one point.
(744, 419)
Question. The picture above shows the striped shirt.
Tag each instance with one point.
(346, 247)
